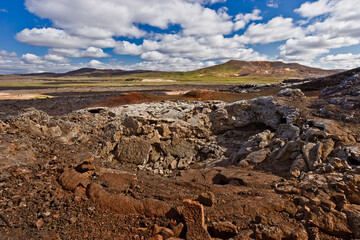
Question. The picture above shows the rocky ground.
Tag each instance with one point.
(272, 167)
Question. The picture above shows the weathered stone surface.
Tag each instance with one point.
(258, 156)
(126, 205)
(353, 215)
(334, 222)
(195, 221)
(223, 230)
(70, 179)
(260, 110)
(119, 182)
(133, 126)
(206, 199)
(133, 150)
(288, 131)
(86, 166)
(310, 154)
(287, 190)
(178, 148)
(328, 147)
(289, 92)
(184, 163)
(267, 232)
(287, 151)
(298, 166)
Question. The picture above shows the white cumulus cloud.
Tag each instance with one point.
(242, 19)
(7, 54)
(56, 58)
(190, 47)
(277, 29)
(273, 3)
(338, 26)
(121, 17)
(91, 52)
(57, 38)
(341, 61)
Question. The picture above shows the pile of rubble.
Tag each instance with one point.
(211, 152)
(342, 102)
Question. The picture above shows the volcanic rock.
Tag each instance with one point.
(195, 221)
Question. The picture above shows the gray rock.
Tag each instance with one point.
(289, 92)
(298, 166)
(310, 153)
(184, 163)
(132, 150)
(258, 156)
(288, 131)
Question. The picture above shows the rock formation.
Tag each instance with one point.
(262, 168)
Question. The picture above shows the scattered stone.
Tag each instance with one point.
(287, 190)
(86, 166)
(223, 230)
(133, 150)
(298, 166)
(39, 223)
(195, 221)
(167, 233)
(257, 157)
(179, 230)
(206, 199)
(310, 154)
(184, 163)
(289, 92)
(70, 179)
(353, 215)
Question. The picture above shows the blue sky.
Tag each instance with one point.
(63, 35)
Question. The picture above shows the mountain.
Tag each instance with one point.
(230, 69)
(236, 68)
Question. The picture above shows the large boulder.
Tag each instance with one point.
(263, 110)
(132, 150)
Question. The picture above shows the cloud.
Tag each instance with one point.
(3, 10)
(341, 61)
(91, 52)
(56, 38)
(96, 64)
(277, 29)
(32, 59)
(56, 58)
(206, 1)
(317, 8)
(30, 63)
(273, 3)
(171, 64)
(338, 27)
(153, 56)
(242, 19)
(127, 48)
(7, 54)
(311, 46)
(122, 17)
(195, 48)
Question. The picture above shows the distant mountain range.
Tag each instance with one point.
(230, 69)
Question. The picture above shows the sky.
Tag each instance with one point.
(175, 35)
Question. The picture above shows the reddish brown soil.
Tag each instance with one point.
(195, 95)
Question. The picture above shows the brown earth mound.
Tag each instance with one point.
(195, 95)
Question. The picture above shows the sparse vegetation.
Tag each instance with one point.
(232, 72)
